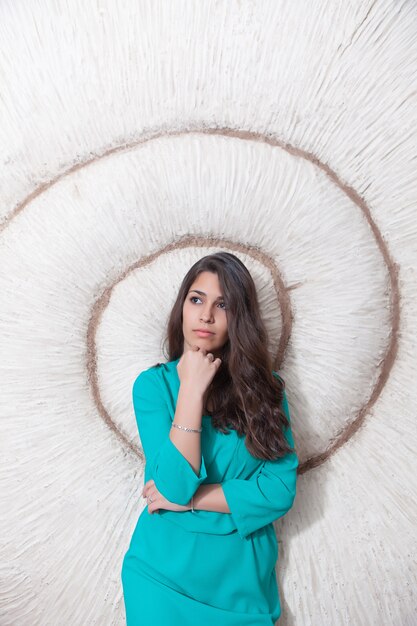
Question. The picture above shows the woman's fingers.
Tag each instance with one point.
(153, 506)
(150, 492)
(146, 486)
(209, 355)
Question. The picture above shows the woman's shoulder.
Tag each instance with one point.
(157, 371)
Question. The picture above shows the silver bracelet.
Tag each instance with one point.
(194, 430)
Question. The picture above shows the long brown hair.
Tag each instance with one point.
(245, 393)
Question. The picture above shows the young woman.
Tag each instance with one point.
(220, 465)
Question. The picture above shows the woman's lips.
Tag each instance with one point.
(203, 333)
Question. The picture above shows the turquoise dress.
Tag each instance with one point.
(204, 567)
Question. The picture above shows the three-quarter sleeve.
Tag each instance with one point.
(268, 494)
(173, 474)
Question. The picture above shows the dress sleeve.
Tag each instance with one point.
(268, 494)
(174, 476)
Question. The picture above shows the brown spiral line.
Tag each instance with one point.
(282, 291)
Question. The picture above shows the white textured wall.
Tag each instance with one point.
(137, 136)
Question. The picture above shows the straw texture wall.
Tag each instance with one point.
(136, 137)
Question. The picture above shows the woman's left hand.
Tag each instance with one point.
(158, 500)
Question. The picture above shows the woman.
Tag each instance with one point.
(220, 462)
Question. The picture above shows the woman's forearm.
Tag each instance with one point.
(188, 413)
(210, 498)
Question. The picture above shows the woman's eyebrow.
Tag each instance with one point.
(204, 294)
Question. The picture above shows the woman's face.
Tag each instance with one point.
(204, 308)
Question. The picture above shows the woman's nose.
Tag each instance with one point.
(206, 315)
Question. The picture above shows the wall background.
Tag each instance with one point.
(136, 137)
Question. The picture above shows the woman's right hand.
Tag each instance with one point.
(197, 368)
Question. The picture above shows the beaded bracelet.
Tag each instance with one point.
(194, 430)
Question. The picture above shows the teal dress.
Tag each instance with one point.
(204, 567)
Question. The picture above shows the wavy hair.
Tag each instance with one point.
(245, 393)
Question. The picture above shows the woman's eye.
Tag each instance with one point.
(197, 298)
